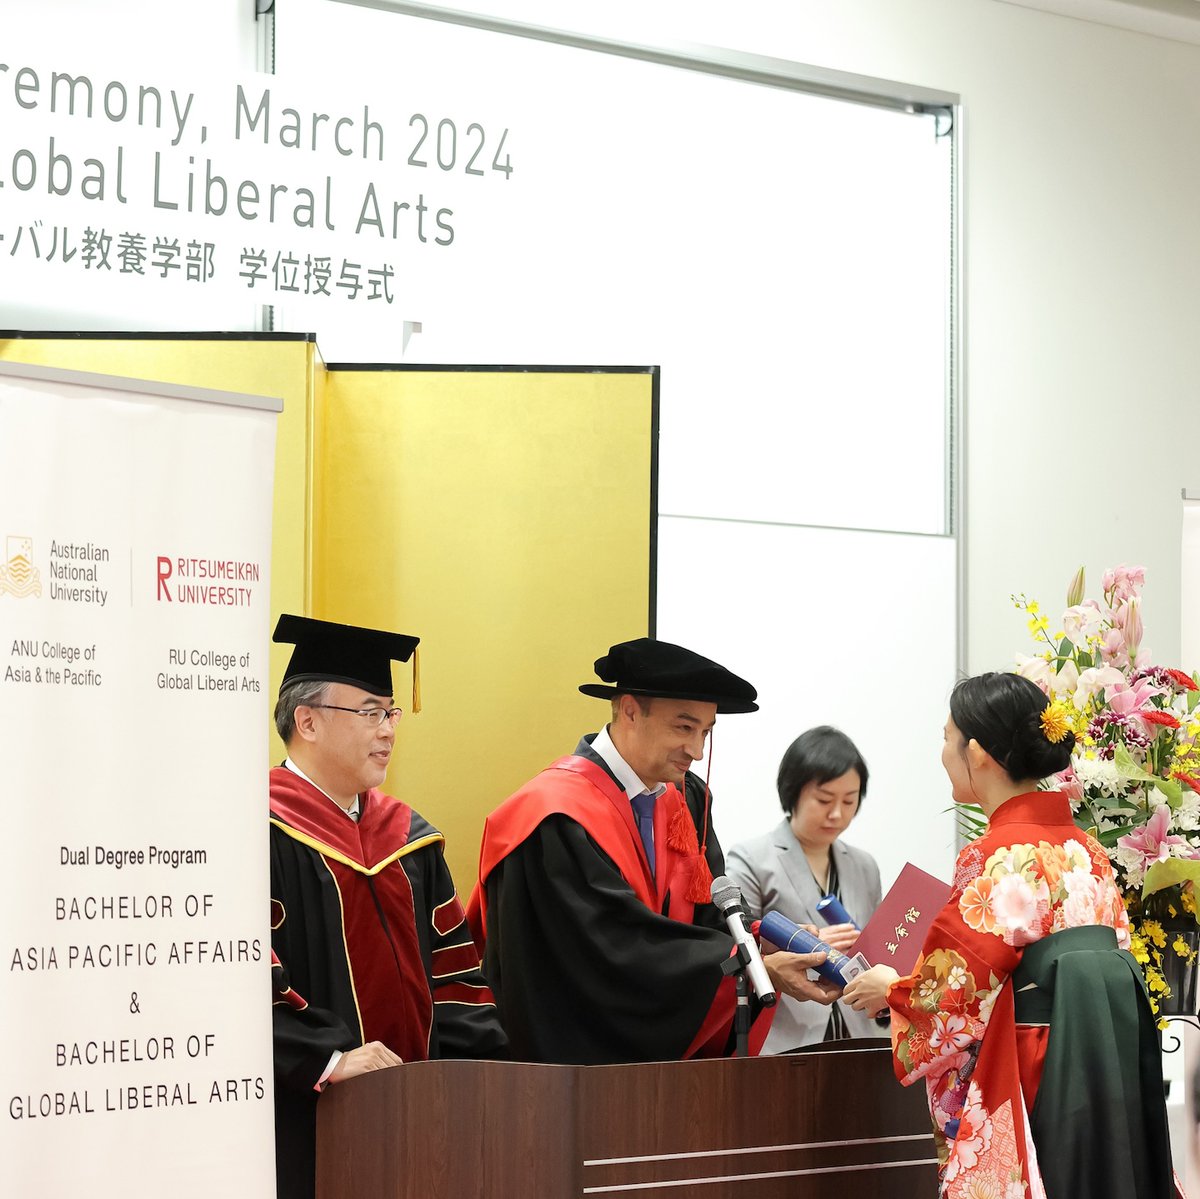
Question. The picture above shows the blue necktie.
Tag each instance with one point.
(643, 809)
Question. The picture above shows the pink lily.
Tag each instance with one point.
(1067, 782)
(1113, 651)
(1124, 582)
(1151, 840)
(1129, 618)
(1125, 700)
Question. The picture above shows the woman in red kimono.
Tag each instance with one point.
(1026, 1017)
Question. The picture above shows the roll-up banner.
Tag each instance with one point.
(135, 533)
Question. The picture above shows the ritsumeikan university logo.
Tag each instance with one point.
(219, 582)
(18, 575)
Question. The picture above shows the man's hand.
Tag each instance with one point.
(374, 1055)
(789, 974)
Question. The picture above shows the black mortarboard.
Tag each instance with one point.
(658, 668)
(342, 653)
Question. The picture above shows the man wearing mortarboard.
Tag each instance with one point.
(593, 907)
(373, 961)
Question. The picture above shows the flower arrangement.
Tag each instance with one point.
(1134, 778)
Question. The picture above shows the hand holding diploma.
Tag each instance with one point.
(868, 992)
(789, 974)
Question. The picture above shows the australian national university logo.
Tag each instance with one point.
(18, 575)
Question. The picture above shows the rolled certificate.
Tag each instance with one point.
(830, 909)
(837, 968)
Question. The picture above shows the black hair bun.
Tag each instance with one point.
(1033, 755)
(1003, 713)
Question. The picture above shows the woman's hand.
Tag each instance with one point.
(840, 936)
(868, 992)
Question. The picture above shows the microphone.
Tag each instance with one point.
(837, 968)
(728, 899)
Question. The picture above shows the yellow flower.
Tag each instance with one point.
(1056, 724)
(1183, 949)
(1154, 930)
(1037, 624)
(1032, 608)
(1137, 947)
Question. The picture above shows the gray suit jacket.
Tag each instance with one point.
(774, 876)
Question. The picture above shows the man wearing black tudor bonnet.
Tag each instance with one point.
(593, 907)
(373, 962)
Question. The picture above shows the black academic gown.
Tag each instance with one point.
(319, 998)
(583, 972)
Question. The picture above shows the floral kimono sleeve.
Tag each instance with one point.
(941, 1011)
(940, 1015)
(1005, 896)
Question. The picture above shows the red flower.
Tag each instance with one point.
(955, 1001)
(1158, 716)
(1189, 779)
(1180, 679)
(918, 1046)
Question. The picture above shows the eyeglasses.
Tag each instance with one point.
(373, 716)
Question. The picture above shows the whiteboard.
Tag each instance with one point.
(782, 256)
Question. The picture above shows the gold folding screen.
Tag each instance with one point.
(503, 515)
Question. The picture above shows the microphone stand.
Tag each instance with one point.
(736, 965)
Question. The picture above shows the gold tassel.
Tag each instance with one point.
(416, 704)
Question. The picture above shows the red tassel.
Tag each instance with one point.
(700, 888)
(681, 832)
(682, 837)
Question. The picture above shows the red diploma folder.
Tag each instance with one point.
(894, 935)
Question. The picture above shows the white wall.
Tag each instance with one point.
(802, 613)
(1081, 249)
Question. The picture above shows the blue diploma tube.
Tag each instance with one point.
(837, 968)
(830, 909)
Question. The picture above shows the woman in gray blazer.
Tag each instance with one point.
(822, 782)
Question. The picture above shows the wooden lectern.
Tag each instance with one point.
(833, 1121)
